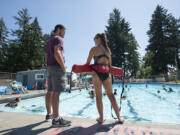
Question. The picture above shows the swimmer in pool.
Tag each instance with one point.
(13, 103)
(171, 90)
(92, 95)
(123, 97)
(104, 94)
(158, 91)
(164, 88)
(115, 92)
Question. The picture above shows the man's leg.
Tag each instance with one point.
(57, 121)
(48, 102)
(58, 85)
(55, 104)
(48, 98)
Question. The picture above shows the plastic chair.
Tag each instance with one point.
(8, 90)
(2, 90)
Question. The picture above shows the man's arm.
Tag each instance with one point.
(59, 58)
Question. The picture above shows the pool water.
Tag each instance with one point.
(142, 104)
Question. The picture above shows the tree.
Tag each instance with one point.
(3, 45)
(45, 38)
(37, 50)
(20, 48)
(122, 43)
(26, 51)
(161, 41)
(133, 56)
(174, 39)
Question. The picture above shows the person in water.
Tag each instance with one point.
(158, 91)
(104, 94)
(164, 88)
(101, 76)
(115, 92)
(13, 103)
(123, 97)
(92, 95)
(171, 90)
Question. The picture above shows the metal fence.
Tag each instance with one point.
(7, 75)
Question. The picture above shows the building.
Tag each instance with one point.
(31, 77)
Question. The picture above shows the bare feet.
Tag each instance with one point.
(120, 120)
(100, 120)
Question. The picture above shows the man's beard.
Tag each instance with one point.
(61, 35)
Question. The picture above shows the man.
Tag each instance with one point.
(56, 75)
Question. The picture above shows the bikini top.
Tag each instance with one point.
(96, 58)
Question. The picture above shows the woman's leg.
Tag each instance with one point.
(98, 90)
(108, 87)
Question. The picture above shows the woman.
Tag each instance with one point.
(101, 76)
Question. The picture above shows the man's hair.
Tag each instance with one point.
(58, 26)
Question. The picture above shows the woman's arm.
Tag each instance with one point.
(110, 60)
(90, 56)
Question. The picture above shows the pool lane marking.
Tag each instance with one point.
(69, 98)
(84, 108)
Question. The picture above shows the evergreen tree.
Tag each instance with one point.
(20, 48)
(3, 45)
(37, 50)
(162, 41)
(45, 39)
(174, 40)
(26, 50)
(122, 43)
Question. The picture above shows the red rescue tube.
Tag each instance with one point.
(115, 71)
(81, 68)
(101, 68)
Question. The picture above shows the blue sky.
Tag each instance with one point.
(85, 18)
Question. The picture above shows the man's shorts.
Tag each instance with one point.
(56, 79)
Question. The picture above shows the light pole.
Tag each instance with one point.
(124, 63)
(176, 64)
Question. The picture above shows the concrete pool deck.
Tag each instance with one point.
(31, 94)
(30, 124)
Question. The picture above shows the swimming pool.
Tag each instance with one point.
(142, 104)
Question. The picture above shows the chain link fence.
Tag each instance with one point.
(7, 75)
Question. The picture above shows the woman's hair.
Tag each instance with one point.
(104, 41)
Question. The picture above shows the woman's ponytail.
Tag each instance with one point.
(105, 42)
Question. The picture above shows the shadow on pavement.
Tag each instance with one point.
(26, 130)
(91, 130)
